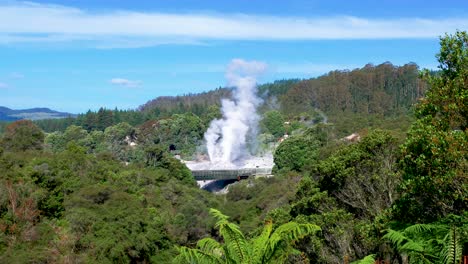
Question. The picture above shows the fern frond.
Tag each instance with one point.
(293, 231)
(452, 252)
(237, 246)
(395, 237)
(189, 256)
(260, 244)
(416, 257)
(418, 228)
(210, 245)
(282, 238)
(412, 246)
(366, 260)
(218, 215)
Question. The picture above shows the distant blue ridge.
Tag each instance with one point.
(38, 113)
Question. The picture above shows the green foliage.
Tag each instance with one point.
(349, 188)
(296, 151)
(115, 226)
(273, 123)
(108, 189)
(384, 89)
(21, 136)
(55, 141)
(181, 133)
(213, 112)
(75, 133)
(271, 246)
(119, 139)
(435, 160)
(3, 125)
(249, 203)
(348, 123)
(362, 176)
(158, 158)
(78, 207)
(367, 260)
(430, 243)
(277, 88)
(95, 142)
(453, 248)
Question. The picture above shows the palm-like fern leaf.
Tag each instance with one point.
(236, 249)
(452, 251)
(428, 243)
(260, 244)
(210, 245)
(280, 242)
(367, 260)
(189, 255)
(418, 229)
(235, 242)
(396, 237)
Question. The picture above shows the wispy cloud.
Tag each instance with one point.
(125, 82)
(110, 29)
(3, 85)
(16, 75)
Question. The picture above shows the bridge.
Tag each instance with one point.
(203, 175)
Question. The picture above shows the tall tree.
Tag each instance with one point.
(435, 154)
(23, 135)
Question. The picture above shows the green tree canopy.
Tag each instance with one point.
(273, 122)
(435, 154)
(23, 135)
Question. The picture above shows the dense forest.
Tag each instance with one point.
(383, 91)
(108, 187)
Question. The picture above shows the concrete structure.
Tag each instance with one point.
(203, 175)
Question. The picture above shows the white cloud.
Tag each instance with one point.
(125, 82)
(110, 29)
(3, 85)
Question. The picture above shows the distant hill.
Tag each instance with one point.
(197, 103)
(7, 114)
(383, 90)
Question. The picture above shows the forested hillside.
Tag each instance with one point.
(105, 187)
(367, 94)
(383, 89)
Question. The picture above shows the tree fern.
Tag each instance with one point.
(235, 242)
(367, 260)
(452, 252)
(281, 240)
(260, 245)
(189, 255)
(427, 243)
(210, 245)
(271, 246)
(419, 229)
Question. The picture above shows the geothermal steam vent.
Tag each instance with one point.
(232, 140)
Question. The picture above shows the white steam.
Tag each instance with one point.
(227, 138)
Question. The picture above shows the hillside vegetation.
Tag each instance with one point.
(104, 187)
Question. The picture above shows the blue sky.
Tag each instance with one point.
(84, 54)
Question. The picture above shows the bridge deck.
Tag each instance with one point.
(201, 175)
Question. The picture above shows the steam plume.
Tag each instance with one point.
(227, 138)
